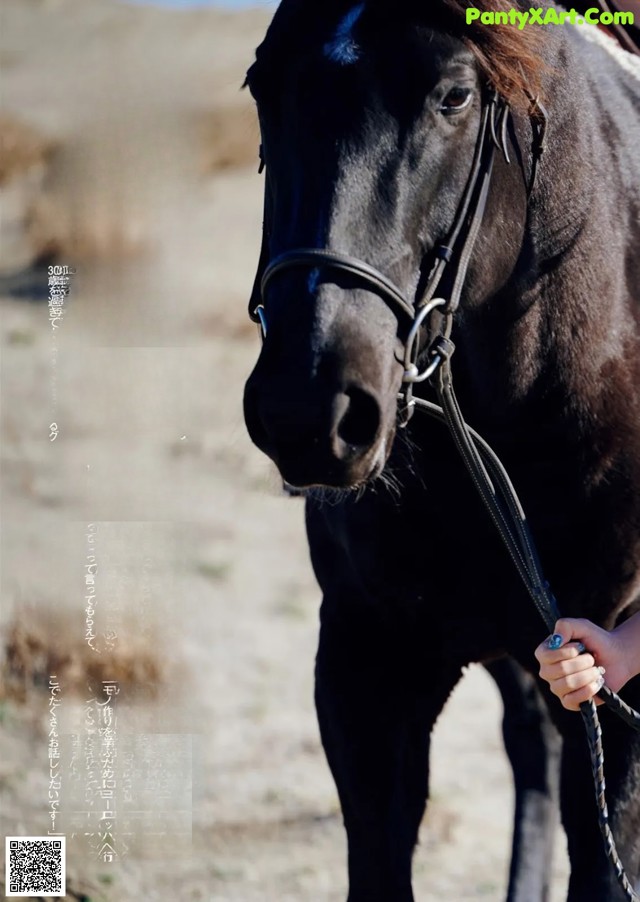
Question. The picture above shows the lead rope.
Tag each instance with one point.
(506, 512)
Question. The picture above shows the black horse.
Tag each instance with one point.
(370, 117)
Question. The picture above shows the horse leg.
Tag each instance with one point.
(534, 747)
(376, 704)
(592, 875)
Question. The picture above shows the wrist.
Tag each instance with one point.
(627, 637)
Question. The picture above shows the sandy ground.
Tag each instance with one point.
(203, 582)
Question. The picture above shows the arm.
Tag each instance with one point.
(576, 677)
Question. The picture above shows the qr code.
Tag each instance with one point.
(35, 865)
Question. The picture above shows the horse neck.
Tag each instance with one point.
(553, 335)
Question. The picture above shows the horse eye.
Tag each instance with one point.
(457, 99)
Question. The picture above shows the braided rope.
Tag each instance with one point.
(624, 711)
(594, 738)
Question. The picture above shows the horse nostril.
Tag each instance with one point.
(360, 422)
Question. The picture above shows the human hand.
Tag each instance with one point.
(575, 676)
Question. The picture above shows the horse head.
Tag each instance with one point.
(370, 117)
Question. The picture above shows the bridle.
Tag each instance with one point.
(436, 315)
(456, 249)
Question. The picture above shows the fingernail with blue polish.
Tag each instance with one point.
(554, 642)
(581, 648)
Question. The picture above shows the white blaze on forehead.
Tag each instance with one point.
(343, 48)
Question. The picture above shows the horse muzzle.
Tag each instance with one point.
(335, 439)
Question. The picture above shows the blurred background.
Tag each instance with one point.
(158, 612)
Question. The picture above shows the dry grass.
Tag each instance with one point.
(25, 157)
(40, 644)
(229, 138)
(69, 233)
(230, 322)
(21, 148)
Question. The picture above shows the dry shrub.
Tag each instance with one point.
(52, 214)
(230, 138)
(24, 162)
(38, 645)
(44, 230)
(231, 322)
(66, 233)
(21, 148)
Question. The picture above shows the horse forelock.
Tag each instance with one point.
(508, 58)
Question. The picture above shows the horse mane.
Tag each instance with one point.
(509, 58)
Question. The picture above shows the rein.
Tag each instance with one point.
(489, 476)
